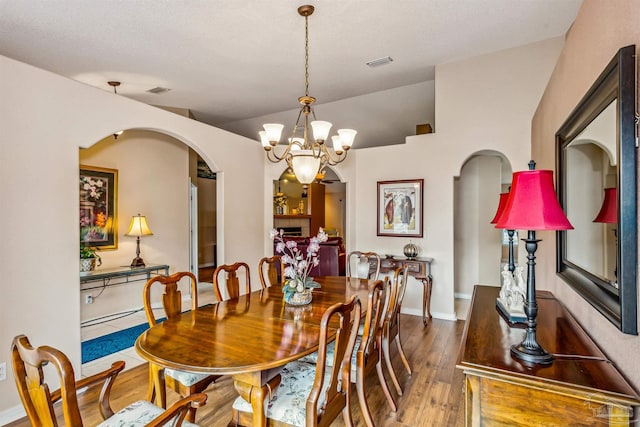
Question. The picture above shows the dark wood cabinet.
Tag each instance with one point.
(581, 386)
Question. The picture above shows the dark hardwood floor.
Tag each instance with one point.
(432, 394)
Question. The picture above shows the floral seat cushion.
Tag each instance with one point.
(313, 357)
(137, 414)
(288, 403)
(185, 377)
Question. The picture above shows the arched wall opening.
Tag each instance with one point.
(162, 178)
(479, 249)
(300, 211)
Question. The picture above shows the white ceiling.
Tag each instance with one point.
(228, 61)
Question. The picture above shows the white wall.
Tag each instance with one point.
(44, 119)
(482, 103)
(596, 35)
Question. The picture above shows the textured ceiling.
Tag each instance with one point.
(228, 61)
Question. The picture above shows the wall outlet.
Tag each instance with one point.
(88, 299)
(3, 371)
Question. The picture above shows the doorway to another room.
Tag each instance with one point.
(480, 250)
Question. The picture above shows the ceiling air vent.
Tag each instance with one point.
(380, 61)
(158, 90)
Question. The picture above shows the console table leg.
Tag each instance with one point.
(427, 283)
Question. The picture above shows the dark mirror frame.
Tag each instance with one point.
(619, 305)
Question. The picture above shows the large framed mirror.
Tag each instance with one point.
(596, 172)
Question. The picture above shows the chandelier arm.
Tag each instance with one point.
(274, 158)
(332, 161)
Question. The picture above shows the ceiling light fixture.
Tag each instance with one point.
(114, 85)
(305, 156)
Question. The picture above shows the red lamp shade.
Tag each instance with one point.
(609, 210)
(533, 204)
(501, 204)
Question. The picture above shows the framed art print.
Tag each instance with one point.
(400, 208)
(98, 214)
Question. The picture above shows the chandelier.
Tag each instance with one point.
(305, 156)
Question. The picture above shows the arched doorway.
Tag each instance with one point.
(479, 248)
(301, 211)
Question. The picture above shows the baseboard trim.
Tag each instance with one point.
(12, 414)
(437, 315)
(459, 295)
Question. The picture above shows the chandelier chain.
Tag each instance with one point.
(306, 55)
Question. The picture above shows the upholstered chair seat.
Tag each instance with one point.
(137, 414)
(288, 403)
(184, 377)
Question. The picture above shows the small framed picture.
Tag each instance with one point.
(98, 214)
(400, 208)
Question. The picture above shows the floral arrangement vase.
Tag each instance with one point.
(298, 285)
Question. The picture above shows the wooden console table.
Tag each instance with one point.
(121, 275)
(420, 269)
(581, 387)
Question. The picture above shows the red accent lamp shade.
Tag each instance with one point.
(501, 204)
(533, 204)
(609, 210)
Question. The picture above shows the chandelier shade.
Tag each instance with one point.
(306, 153)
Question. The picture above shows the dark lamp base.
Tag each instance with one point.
(536, 355)
(137, 262)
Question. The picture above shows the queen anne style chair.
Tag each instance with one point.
(391, 326)
(364, 265)
(271, 271)
(38, 400)
(231, 283)
(183, 382)
(314, 394)
(369, 347)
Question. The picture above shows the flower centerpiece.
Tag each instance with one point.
(298, 284)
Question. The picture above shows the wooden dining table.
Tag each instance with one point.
(250, 338)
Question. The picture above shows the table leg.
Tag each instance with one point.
(157, 392)
(427, 283)
(255, 395)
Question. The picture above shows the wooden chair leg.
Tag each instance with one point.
(387, 358)
(385, 386)
(346, 412)
(362, 400)
(402, 355)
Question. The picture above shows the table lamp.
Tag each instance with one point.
(532, 205)
(609, 210)
(138, 227)
(509, 302)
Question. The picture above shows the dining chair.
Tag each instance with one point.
(271, 271)
(363, 265)
(391, 326)
(182, 382)
(369, 348)
(314, 394)
(38, 400)
(231, 283)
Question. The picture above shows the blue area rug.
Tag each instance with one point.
(107, 344)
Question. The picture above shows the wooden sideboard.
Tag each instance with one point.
(581, 386)
(420, 268)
